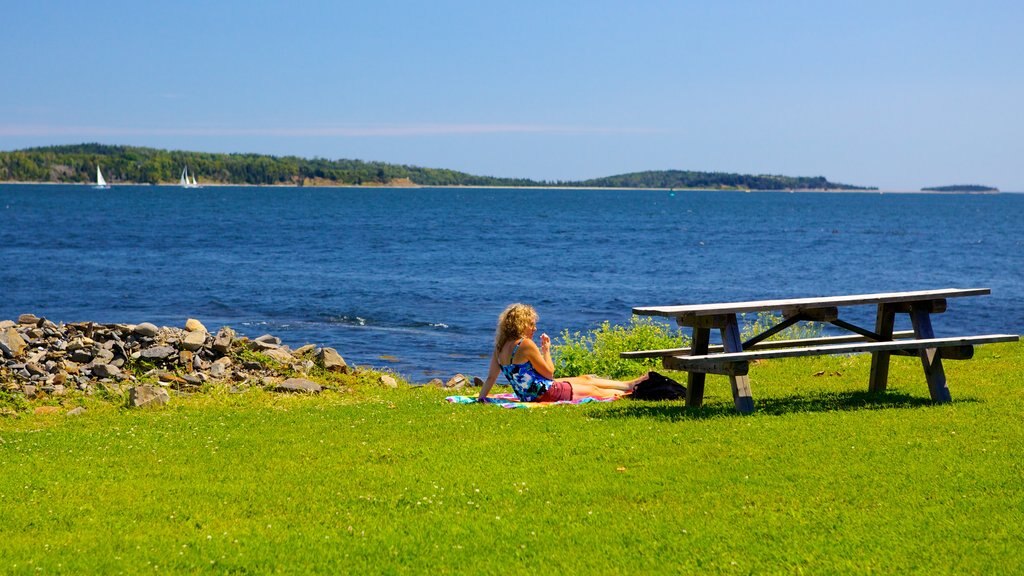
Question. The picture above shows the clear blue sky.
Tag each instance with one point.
(888, 93)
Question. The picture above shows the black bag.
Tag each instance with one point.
(658, 387)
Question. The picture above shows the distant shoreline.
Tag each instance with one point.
(491, 187)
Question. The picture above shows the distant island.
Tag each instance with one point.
(961, 188)
(137, 165)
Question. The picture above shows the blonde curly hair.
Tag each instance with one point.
(513, 323)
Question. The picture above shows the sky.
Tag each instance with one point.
(894, 94)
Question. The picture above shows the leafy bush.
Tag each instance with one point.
(766, 320)
(597, 351)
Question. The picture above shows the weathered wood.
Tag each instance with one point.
(826, 314)
(771, 344)
(878, 377)
(694, 321)
(947, 353)
(931, 361)
(930, 306)
(740, 383)
(703, 366)
(695, 380)
(816, 302)
(912, 344)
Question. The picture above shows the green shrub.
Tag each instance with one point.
(597, 351)
(766, 320)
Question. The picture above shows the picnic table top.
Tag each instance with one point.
(806, 303)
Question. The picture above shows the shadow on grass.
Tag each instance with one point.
(815, 402)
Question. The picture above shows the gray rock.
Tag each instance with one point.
(146, 395)
(76, 411)
(302, 350)
(435, 382)
(218, 371)
(223, 341)
(280, 355)
(102, 356)
(5, 324)
(298, 385)
(194, 340)
(194, 379)
(146, 330)
(268, 339)
(82, 355)
(30, 391)
(331, 360)
(158, 353)
(106, 371)
(35, 369)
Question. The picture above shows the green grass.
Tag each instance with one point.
(823, 478)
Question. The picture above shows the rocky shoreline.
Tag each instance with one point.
(40, 358)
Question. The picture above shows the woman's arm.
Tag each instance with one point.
(492, 375)
(540, 357)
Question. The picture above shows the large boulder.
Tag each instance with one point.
(158, 353)
(223, 340)
(146, 330)
(146, 395)
(298, 385)
(11, 343)
(331, 360)
(194, 340)
(193, 325)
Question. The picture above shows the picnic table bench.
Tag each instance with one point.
(733, 356)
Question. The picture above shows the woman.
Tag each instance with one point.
(529, 369)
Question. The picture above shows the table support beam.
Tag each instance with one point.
(695, 380)
(931, 361)
(740, 383)
(884, 322)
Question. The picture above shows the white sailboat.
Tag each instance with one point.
(101, 184)
(185, 182)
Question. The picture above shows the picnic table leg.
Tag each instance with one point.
(695, 380)
(931, 361)
(884, 322)
(740, 384)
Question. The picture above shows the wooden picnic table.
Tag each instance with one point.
(733, 356)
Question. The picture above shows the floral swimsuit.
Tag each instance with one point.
(528, 385)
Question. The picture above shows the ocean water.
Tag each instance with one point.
(413, 279)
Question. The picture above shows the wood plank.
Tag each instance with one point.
(813, 302)
(913, 344)
(770, 344)
(947, 353)
(740, 383)
(703, 366)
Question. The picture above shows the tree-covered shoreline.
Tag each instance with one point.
(960, 188)
(138, 165)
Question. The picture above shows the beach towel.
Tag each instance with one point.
(510, 401)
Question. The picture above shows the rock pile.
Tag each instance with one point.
(39, 357)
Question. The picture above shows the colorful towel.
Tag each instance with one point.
(510, 401)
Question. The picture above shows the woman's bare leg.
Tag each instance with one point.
(603, 386)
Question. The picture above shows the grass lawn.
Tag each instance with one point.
(823, 478)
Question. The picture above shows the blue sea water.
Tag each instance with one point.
(413, 279)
